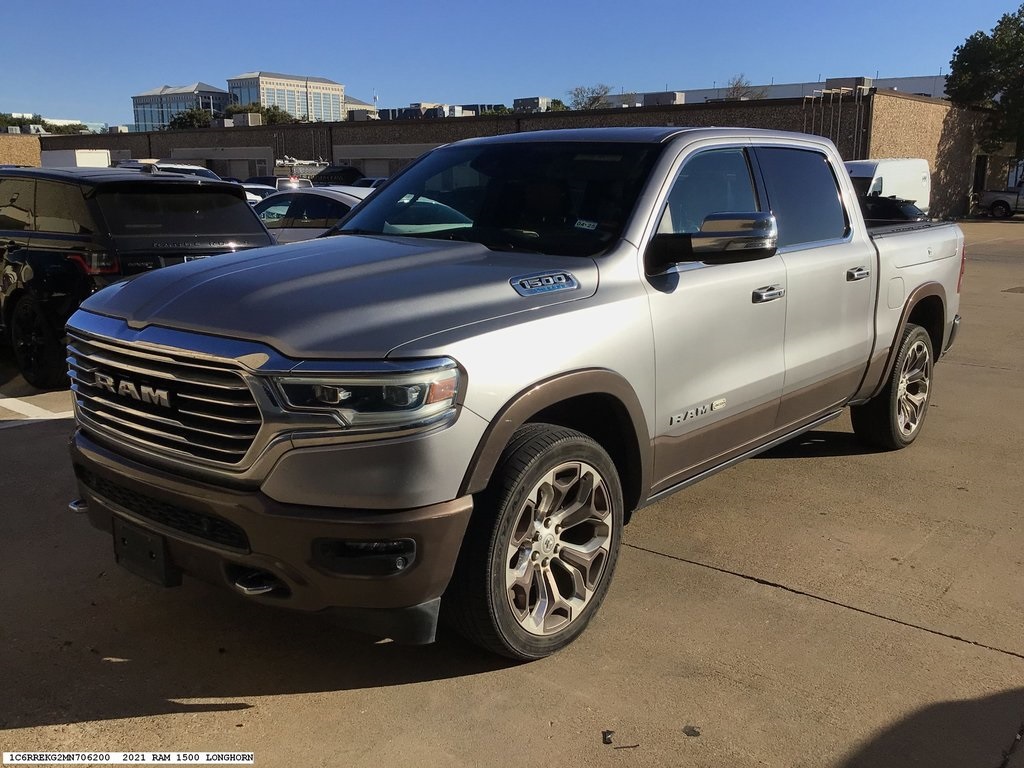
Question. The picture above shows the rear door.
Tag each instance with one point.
(831, 280)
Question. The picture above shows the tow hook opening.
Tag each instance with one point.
(255, 582)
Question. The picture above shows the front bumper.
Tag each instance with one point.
(224, 536)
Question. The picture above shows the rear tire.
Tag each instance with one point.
(541, 546)
(1000, 210)
(893, 419)
(39, 352)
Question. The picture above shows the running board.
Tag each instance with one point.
(742, 457)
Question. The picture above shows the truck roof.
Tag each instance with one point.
(644, 134)
(99, 176)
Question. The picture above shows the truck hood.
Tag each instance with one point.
(342, 297)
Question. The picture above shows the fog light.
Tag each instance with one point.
(364, 557)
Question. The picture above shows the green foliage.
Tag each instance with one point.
(6, 119)
(987, 70)
(272, 115)
(499, 109)
(190, 118)
(589, 96)
(557, 105)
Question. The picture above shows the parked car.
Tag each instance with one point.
(883, 211)
(256, 192)
(337, 174)
(165, 166)
(908, 178)
(302, 214)
(1002, 203)
(369, 181)
(280, 182)
(67, 233)
(459, 422)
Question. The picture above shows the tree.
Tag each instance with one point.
(987, 70)
(7, 119)
(557, 105)
(499, 109)
(740, 88)
(191, 118)
(589, 96)
(272, 115)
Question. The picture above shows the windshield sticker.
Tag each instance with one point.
(587, 225)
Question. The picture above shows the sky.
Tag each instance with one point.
(85, 60)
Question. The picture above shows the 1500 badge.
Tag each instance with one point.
(544, 282)
(695, 412)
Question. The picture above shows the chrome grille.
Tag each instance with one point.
(161, 401)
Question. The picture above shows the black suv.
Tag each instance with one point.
(69, 232)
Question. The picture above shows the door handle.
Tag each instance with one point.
(857, 273)
(768, 293)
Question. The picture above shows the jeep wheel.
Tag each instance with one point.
(893, 419)
(39, 352)
(541, 546)
(999, 210)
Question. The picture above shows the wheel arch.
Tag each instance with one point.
(925, 307)
(596, 402)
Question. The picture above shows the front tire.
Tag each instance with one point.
(541, 546)
(1000, 210)
(893, 419)
(39, 352)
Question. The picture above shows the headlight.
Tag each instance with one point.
(388, 401)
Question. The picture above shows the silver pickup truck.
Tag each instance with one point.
(1002, 203)
(451, 405)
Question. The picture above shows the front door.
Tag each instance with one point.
(718, 329)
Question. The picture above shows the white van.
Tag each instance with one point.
(905, 177)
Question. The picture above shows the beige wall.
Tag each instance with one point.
(18, 149)
(944, 135)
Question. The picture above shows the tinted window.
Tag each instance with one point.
(158, 209)
(564, 198)
(274, 210)
(717, 181)
(803, 195)
(316, 211)
(17, 206)
(61, 208)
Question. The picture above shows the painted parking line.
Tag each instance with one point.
(20, 407)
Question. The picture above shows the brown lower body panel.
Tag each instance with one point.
(216, 534)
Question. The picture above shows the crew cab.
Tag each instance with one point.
(65, 233)
(1003, 203)
(453, 404)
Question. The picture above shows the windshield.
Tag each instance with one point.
(559, 198)
(166, 209)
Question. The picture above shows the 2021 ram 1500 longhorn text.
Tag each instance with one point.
(452, 404)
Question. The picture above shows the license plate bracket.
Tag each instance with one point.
(144, 554)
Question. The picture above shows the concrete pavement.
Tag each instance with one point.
(818, 606)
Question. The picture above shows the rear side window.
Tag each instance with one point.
(158, 209)
(316, 212)
(61, 208)
(803, 194)
(17, 204)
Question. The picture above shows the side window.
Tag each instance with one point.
(272, 211)
(803, 194)
(715, 181)
(61, 208)
(17, 204)
(316, 212)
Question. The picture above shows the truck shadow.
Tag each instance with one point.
(944, 735)
(819, 444)
(84, 640)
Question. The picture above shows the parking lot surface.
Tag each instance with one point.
(821, 605)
